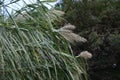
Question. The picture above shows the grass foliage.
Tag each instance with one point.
(30, 50)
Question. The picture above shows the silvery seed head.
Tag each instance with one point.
(58, 12)
(72, 37)
(68, 27)
(85, 55)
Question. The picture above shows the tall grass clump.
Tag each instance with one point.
(30, 50)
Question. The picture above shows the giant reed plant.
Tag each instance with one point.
(30, 50)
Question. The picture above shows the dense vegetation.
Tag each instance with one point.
(99, 22)
(31, 50)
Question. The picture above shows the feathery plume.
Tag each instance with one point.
(67, 33)
(58, 12)
(71, 37)
(21, 17)
(68, 27)
(85, 55)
